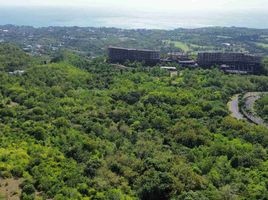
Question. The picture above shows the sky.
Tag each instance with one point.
(150, 5)
(159, 14)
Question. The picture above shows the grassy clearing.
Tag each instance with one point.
(224, 37)
(262, 45)
(188, 47)
(181, 45)
(195, 46)
(2, 197)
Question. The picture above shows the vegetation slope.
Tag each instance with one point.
(97, 132)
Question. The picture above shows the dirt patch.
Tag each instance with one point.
(9, 189)
(12, 104)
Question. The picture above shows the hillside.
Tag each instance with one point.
(89, 41)
(13, 58)
(261, 107)
(91, 131)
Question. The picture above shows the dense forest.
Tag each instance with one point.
(85, 129)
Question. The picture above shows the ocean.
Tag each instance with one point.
(128, 19)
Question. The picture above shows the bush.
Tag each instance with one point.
(17, 171)
(28, 189)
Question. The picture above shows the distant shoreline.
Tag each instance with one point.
(128, 19)
(107, 27)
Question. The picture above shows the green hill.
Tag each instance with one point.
(13, 58)
(105, 133)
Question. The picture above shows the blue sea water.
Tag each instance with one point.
(100, 17)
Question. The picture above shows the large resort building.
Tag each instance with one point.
(121, 55)
(239, 63)
(231, 62)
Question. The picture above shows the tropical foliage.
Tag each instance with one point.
(262, 107)
(12, 57)
(92, 131)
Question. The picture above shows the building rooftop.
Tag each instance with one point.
(230, 53)
(168, 68)
(187, 62)
(236, 72)
(17, 72)
(132, 49)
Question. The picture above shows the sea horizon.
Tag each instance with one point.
(126, 19)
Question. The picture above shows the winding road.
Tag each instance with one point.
(248, 112)
(233, 106)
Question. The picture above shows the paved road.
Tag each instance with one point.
(250, 100)
(234, 108)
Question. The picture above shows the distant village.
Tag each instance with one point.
(208, 46)
(229, 62)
